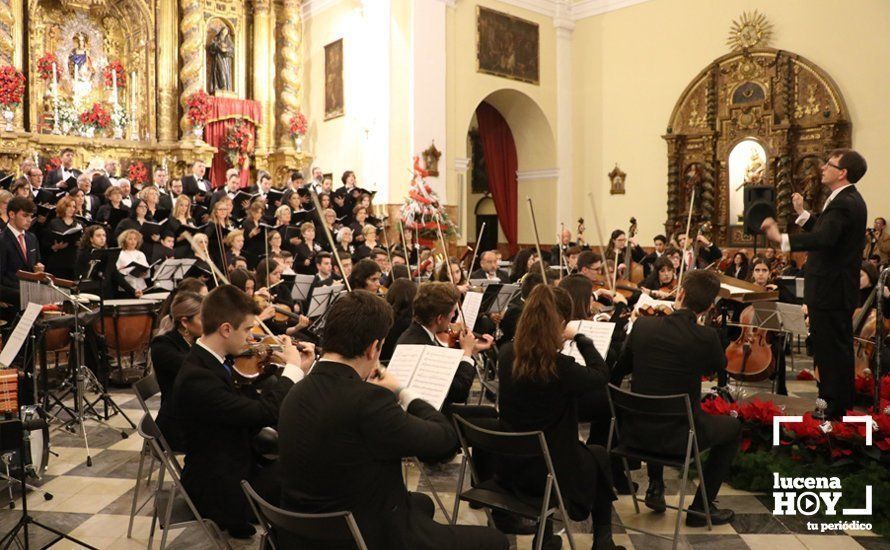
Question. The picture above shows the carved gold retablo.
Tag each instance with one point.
(84, 4)
(749, 31)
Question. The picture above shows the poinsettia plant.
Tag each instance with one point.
(198, 108)
(239, 143)
(137, 173)
(96, 116)
(298, 125)
(12, 86)
(114, 67)
(45, 66)
(422, 211)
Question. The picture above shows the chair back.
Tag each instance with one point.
(150, 431)
(331, 527)
(510, 444)
(670, 416)
(146, 389)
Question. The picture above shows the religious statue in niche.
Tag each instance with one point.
(754, 170)
(431, 160)
(221, 53)
(80, 67)
(616, 176)
(692, 180)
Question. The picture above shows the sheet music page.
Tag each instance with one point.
(470, 306)
(404, 362)
(736, 290)
(599, 332)
(434, 373)
(19, 334)
(301, 287)
(645, 300)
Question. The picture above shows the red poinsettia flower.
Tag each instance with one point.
(45, 66)
(809, 430)
(298, 125)
(137, 173)
(114, 67)
(198, 108)
(96, 116)
(12, 86)
(759, 412)
(718, 405)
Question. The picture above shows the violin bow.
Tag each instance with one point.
(476, 250)
(688, 237)
(407, 252)
(562, 228)
(460, 308)
(599, 237)
(386, 243)
(327, 233)
(531, 211)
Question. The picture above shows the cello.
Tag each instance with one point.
(750, 357)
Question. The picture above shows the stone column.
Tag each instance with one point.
(7, 31)
(168, 79)
(290, 99)
(191, 52)
(262, 61)
(564, 143)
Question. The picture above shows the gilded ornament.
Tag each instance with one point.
(749, 31)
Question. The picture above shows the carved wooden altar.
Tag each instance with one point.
(162, 48)
(781, 101)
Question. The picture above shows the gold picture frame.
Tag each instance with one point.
(333, 80)
(507, 46)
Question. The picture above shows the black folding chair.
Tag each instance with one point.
(330, 528)
(490, 495)
(659, 408)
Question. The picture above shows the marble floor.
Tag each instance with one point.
(93, 503)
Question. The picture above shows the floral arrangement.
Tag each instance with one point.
(298, 125)
(422, 209)
(96, 117)
(45, 66)
(239, 143)
(12, 87)
(198, 108)
(119, 116)
(53, 164)
(69, 118)
(114, 67)
(137, 173)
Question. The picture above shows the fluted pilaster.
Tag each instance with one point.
(291, 98)
(191, 54)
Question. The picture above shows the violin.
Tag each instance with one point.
(257, 361)
(750, 357)
(865, 326)
(670, 287)
(659, 310)
(283, 313)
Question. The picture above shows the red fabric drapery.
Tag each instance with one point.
(501, 164)
(223, 113)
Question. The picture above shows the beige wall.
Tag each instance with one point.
(631, 65)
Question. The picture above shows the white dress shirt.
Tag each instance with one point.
(290, 370)
(804, 217)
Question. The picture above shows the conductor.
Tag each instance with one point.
(834, 240)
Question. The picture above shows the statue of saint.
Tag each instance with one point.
(755, 169)
(80, 67)
(222, 53)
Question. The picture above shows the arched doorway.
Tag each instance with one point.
(535, 153)
(754, 117)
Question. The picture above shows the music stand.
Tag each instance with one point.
(302, 288)
(322, 298)
(505, 295)
(780, 317)
(171, 271)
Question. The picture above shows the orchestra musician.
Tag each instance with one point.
(400, 296)
(708, 252)
(488, 268)
(738, 268)
(762, 275)
(659, 243)
(662, 280)
(668, 356)
(834, 240)
(219, 420)
(19, 249)
(616, 249)
(365, 275)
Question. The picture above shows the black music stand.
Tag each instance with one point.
(320, 305)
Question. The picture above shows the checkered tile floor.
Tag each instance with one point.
(93, 503)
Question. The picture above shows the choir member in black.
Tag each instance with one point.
(152, 198)
(21, 190)
(353, 460)
(668, 356)
(539, 389)
(233, 182)
(521, 262)
(80, 210)
(254, 235)
(162, 249)
(199, 251)
(195, 186)
(739, 266)
(616, 248)
(61, 254)
(130, 242)
(59, 177)
(659, 244)
(113, 210)
(180, 215)
(91, 201)
(5, 197)
(360, 220)
(365, 275)
(274, 246)
(219, 420)
(216, 231)
(329, 219)
(97, 276)
(234, 248)
(135, 220)
(400, 296)
(19, 249)
(661, 281)
(169, 349)
(306, 251)
(488, 269)
(345, 246)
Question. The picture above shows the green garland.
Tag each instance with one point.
(753, 471)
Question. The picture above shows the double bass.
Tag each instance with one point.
(633, 272)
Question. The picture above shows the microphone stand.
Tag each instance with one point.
(879, 336)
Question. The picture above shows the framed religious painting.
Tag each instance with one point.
(333, 80)
(507, 46)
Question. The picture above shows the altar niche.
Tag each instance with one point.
(759, 116)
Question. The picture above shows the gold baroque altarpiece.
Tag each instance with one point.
(162, 49)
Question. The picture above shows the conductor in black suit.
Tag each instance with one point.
(345, 429)
(19, 249)
(834, 241)
(219, 420)
(668, 356)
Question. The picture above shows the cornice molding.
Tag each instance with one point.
(545, 174)
(461, 164)
(583, 9)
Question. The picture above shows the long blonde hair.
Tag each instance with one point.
(538, 336)
(185, 304)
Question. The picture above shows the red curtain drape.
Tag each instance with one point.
(501, 164)
(223, 113)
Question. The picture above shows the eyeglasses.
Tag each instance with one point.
(835, 166)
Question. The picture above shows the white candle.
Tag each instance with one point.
(75, 72)
(55, 78)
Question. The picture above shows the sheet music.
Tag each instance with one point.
(645, 300)
(735, 289)
(426, 370)
(19, 334)
(599, 332)
(320, 299)
(470, 307)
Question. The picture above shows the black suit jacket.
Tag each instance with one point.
(342, 441)
(218, 422)
(11, 258)
(502, 275)
(834, 241)
(53, 177)
(168, 353)
(190, 185)
(668, 356)
(459, 391)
